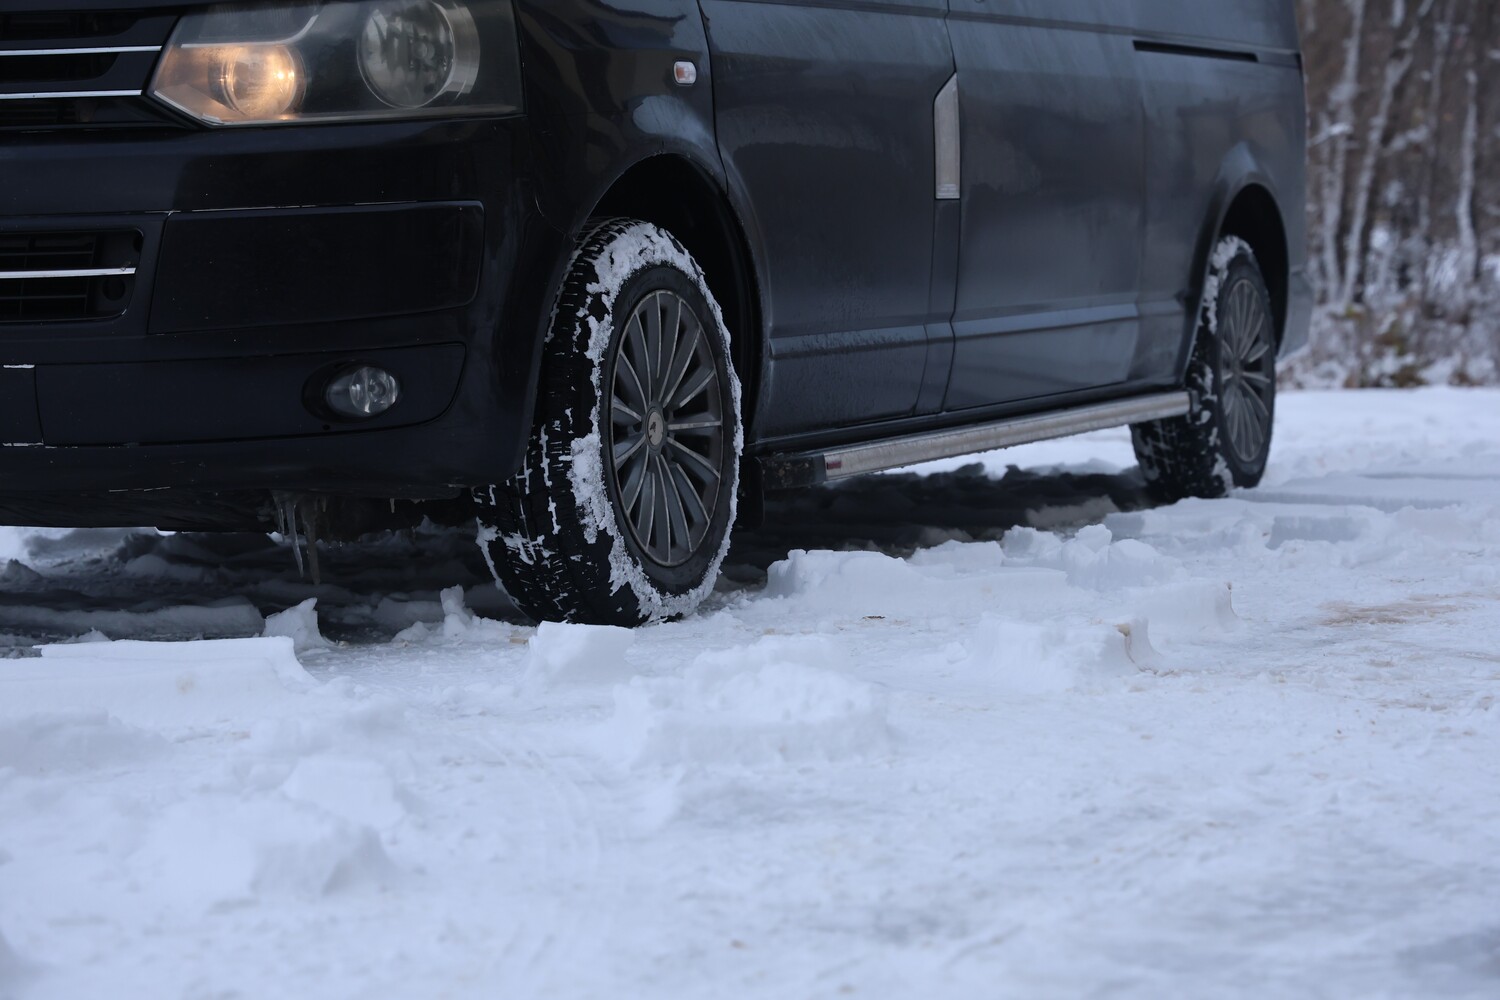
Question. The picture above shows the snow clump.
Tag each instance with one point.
(1092, 559)
(300, 624)
(50, 743)
(217, 851)
(360, 791)
(1021, 658)
(781, 700)
(580, 654)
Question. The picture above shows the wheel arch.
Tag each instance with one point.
(679, 195)
(1254, 217)
(1246, 205)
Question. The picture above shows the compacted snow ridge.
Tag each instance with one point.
(987, 728)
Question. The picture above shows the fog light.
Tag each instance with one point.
(365, 391)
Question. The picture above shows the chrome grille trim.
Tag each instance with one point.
(87, 272)
(88, 69)
(98, 51)
(69, 94)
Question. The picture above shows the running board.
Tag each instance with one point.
(809, 468)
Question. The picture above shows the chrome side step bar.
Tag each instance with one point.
(808, 468)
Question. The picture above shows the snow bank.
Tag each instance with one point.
(871, 584)
(1026, 765)
(1092, 559)
(582, 654)
(780, 700)
(1197, 608)
(54, 742)
(1021, 658)
(358, 790)
(13, 969)
(155, 684)
(213, 852)
(339, 724)
(231, 617)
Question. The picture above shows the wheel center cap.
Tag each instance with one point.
(656, 428)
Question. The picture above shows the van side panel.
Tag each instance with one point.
(1049, 260)
(824, 113)
(1251, 24)
(1216, 122)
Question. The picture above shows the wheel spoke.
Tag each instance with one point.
(680, 368)
(1241, 316)
(1246, 299)
(635, 344)
(676, 512)
(1236, 423)
(1254, 424)
(664, 515)
(1257, 344)
(1229, 325)
(647, 515)
(1233, 410)
(635, 479)
(686, 490)
(622, 413)
(1258, 408)
(1247, 430)
(652, 309)
(1254, 441)
(704, 424)
(1255, 322)
(1260, 380)
(703, 464)
(671, 334)
(625, 449)
(688, 394)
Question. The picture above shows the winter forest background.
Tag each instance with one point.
(1404, 191)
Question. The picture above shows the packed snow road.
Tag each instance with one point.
(959, 733)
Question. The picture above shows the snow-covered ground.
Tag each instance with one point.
(993, 733)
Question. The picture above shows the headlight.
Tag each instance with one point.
(344, 60)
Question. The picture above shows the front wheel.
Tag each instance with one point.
(1225, 440)
(622, 509)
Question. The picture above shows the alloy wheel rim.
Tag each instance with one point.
(1247, 370)
(666, 428)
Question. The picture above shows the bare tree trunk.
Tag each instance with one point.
(1404, 97)
(1357, 238)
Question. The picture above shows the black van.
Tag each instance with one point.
(598, 272)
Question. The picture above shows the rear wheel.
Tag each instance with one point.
(622, 509)
(1225, 441)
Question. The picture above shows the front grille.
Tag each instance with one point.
(79, 69)
(44, 25)
(56, 277)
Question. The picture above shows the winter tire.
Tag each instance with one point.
(621, 511)
(1226, 438)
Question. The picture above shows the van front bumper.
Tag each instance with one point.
(264, 262)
